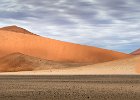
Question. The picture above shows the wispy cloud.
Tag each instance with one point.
(111, 24)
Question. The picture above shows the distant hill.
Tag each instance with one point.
(137, 52)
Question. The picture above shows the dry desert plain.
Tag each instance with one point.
(33, 67)
(66, 87)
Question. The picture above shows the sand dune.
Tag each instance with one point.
(124, 66)
(137, 52)
(128, 66)
(20, 62)
(55, 50)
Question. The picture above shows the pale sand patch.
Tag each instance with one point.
(77, 71)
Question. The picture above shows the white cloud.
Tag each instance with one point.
(113, 24)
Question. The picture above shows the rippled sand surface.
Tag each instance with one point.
(70, 87)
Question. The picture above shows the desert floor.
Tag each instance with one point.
(74, 87)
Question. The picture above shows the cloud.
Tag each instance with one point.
(110, 24)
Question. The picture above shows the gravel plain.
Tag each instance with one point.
(74, 87)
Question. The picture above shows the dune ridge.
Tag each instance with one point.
(17, 29)
(55, 50)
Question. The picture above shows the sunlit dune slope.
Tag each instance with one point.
(20, 62)
(55, 50)
(137, 52)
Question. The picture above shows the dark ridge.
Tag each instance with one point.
(15, 28)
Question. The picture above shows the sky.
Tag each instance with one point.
(109, 24)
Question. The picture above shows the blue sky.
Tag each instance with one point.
(110, 24)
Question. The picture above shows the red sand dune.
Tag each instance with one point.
(137, 52)
(55, 50)
(19, 62)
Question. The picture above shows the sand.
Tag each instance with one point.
(40, 60)
(124, 66)
(128, 66)
(40, 55)
(55, 50)
(20, 62)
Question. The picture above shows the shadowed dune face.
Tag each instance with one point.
(16, 62)
(137, 52)
(17, 29)
(55, 50)
(19, 62)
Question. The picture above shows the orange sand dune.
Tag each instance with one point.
(19, 62)
(137, 52)
(55, 50)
